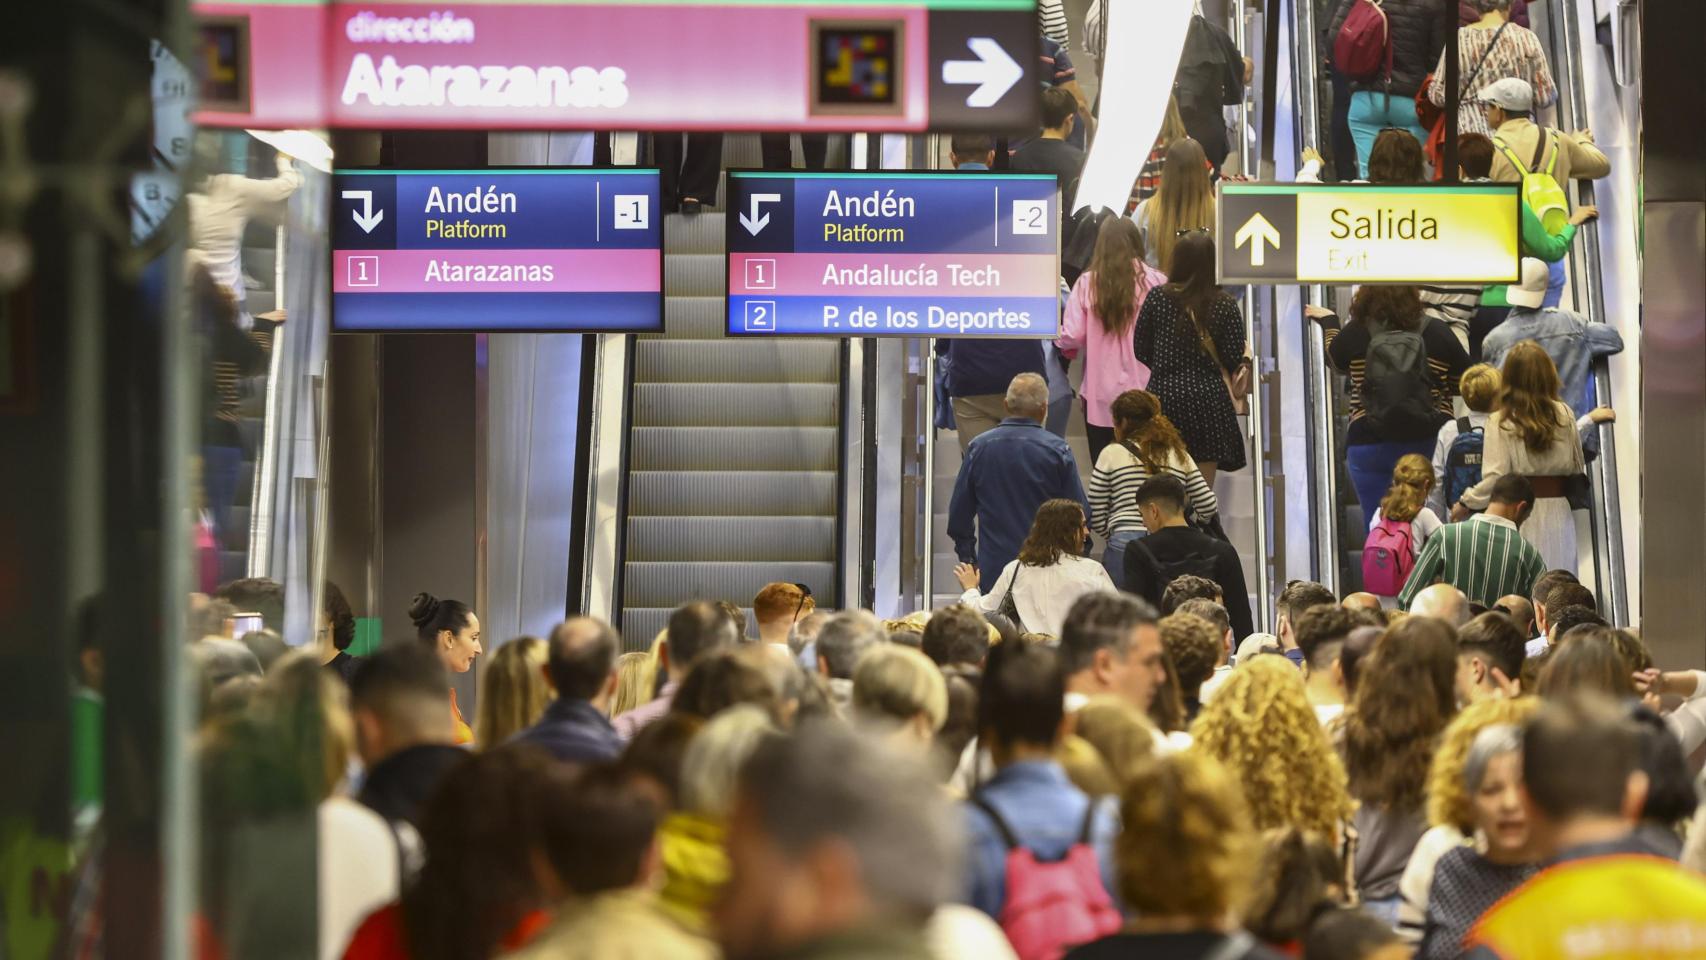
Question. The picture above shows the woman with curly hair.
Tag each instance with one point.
(1532, 432)
(1451, 811)
(1182, 860)
(1039, 587)
(1404, 699)
(1145, 444)
(1260, 725)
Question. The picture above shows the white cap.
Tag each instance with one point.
(1531, 292)
(1511, 94)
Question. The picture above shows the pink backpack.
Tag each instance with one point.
(1387, 557)
(1055, 906)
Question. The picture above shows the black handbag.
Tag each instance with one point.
(1009, 606)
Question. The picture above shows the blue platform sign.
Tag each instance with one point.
(963, 254)
(531, 249)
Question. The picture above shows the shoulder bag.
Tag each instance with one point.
(1237, 381)
(1010, 606)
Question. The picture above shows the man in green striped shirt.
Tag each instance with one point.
(1484, 556)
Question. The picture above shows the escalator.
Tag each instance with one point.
(733, 467)
(1338, 517)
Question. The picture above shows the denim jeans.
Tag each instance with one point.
(1113, 558)
(1370, 466)
(1554, 284)
(1374, 112)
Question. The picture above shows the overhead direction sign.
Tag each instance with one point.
(893, 254)
(1368, 233)
(524, 249)
(843, 65)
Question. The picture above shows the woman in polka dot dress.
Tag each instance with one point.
(1188, 329)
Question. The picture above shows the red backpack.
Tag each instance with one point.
(1363, 48)
(1055, 906)
(1387, 557)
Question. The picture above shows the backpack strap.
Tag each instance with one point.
(1001, 826)
(1540, 153)
(1510, 155)
(1089, 821)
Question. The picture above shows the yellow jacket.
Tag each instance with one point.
(695, 868)
(1615, 907)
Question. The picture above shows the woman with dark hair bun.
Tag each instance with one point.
(450, 629)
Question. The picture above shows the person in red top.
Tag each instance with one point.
(481, 891)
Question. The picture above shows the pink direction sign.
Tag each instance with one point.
(872, 65)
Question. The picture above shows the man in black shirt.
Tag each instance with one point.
(1174, 549)
(1051, 153)
(404, 732)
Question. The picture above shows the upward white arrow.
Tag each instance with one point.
(994, 71)
(366, 218)
(757, 221)
(1253, 232)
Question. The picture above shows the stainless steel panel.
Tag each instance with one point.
(735, 404)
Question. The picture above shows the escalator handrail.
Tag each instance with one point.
(1565, 31)
(1323, 485)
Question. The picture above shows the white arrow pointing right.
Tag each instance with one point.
(366, 218)
(758, 221)
(994, 71)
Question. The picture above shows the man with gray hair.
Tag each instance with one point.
(845, 638)
(976, 372)
(838, 847)
(1007, 474)
(1442, 601)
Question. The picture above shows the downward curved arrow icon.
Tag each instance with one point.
(1255, 232)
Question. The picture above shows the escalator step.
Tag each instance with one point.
(701, 233)
(733, 448)
(742, 493)
(736, 361)
(692, 318)
(668, 584)
(694, 275)
(758, 539)
(735, 404)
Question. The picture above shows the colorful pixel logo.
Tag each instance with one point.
(858, 66)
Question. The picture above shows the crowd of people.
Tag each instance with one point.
(1147, 780)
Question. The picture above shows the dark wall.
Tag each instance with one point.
(428, 537)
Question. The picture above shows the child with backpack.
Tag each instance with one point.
(1400, 526)
(1457, 451)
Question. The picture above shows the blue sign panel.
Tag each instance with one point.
(536, 249)
(893, 254)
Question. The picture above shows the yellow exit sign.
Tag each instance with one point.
(1369, 233)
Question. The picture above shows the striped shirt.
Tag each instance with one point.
(1453, 305)
(1483, 556)
(1113, 490)
(1051, 20)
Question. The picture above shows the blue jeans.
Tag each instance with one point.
(1554, 284)
(1372, 113)
(220, 467)
(1370, 466)
(1113, 559)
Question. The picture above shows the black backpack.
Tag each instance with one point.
(1191, 564)
(1396, 395)
(1078, 239)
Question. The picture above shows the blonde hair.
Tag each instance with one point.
(1086, 768)
(1260, 724)
(1185, 841)
(1448, 797)
(1184, 200)
(513, 692)
(1123, 736)
(1479, 386)
(898, 683)
(1412, 479)
(636, 674)
(307, 709)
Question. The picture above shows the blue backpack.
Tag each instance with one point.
(1463, 461)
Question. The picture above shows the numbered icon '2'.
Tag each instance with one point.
(1030, 217)
(760, 316)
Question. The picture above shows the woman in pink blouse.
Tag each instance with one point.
(1100, 316)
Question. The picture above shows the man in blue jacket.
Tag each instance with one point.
(581, 667)
(1007, 474)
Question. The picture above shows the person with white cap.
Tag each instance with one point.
(1568, 338)
(1522, 147)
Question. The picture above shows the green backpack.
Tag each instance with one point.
(1540, 190)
